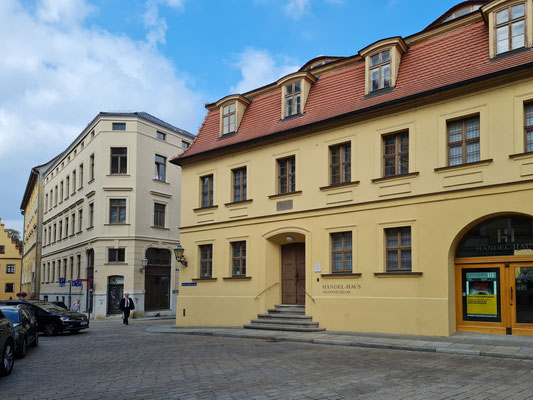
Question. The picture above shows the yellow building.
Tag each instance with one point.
(9, 266)
(389, 191)
(32, 209)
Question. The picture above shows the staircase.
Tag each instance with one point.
(285, 317)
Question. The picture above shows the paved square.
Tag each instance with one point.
(112, 361)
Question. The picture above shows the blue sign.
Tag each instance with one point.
(189, 284)
(62, 280)
(76, 283)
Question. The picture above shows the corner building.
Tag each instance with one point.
(111, 199)
(10, 262)
(389, 191)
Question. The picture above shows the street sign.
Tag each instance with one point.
(189, 284)
(62, 282)
(77, 283)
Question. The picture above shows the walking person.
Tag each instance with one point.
(75, 306)
(126, 305)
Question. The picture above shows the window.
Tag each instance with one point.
(10, 287)
(206, 261)
(510, 32)
(380, 70)
(293, 94)
(159, 215)
(60, 230)
(81, 176)
(2, 249)
(185, 144)
(91, 215)
(80, 217)
(528, 128)
(119, 126)
(66, 227)
(73, 182)
(161, 135)
(160, 168)
(71, 275)
(238, 258)
(61, 193)
(53, 272)
(463, 141)
(207, 190)
(119, 160)
(55, 196)
(396, 154)
(340, 163)
(398, 249)
(55, 233)
(286, 175)
(228, 118)
(78, 259)
(45, 237)
(73, 218)
(117, 211)
(58, 270)
(239, 184)
(67, 186)
(341, 252)
(10, 268)
(91, 167)
(116, 255)
(46, 201)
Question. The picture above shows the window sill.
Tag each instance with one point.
(395, 177)
(237, 278)
(90, 228)
(339, 186)
(160, 227)
(293, 116)
(520, 156)
(288, 194)
(116, 224)
(204, 279)
(341, 275)
(237, 203)
(227, 135)
(114, 175)
(399, 273)
(464, 166)
(79, 233)
(200, 209)
(116, 263)
(91, 181)
(510, 53)
(378, 92)
(160, 181)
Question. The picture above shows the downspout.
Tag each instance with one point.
(22, 249)
(38, 250)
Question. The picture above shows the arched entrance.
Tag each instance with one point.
(494, 277)
(115, 290)
(157, 280)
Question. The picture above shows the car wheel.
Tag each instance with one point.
(7, 360)
(36, 340)
(21, 351)
(49, 329)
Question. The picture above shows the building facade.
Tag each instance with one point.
(111, 200)
(389, 191)
(9, 266)
(32, 209)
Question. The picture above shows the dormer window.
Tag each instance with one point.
(293, 94)
(228, 118)
(380, 70)
(510, 28)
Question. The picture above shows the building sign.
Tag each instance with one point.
(481, 295)
(339, 288)
(501, 236)
(116, 280)
(189, 284)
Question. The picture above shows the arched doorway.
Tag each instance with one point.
(157, 279)
(115, 290)
(494, 276)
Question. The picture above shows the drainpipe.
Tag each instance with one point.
(22, 212)
(38, 236)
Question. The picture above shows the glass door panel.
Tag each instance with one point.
(481, 294)
(523, 298)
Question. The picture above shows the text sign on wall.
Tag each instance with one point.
(339, 288)
(189, 284)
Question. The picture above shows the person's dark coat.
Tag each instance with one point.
(123, 301)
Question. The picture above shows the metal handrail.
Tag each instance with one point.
(310, 297)
(271, 286)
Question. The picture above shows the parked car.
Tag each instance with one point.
(7, 345)
(24, 326)
(53, 319)
(60, 304)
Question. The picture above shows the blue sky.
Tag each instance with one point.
(63, 61)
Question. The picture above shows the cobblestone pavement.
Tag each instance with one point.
(112, 361)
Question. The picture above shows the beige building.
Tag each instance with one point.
(32, 209)
(111, 200)
(9, 266)
(388, 191)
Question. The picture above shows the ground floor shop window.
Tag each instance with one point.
(398, 242)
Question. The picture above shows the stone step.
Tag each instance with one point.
(285, 321)
(290, 306)
(284, 316)
(281, 327)
(286, 311)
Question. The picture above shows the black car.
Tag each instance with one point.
(24, 326)
(60, 304)
(53, 319)
(7, 345)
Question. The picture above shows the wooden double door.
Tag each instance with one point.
(293, 273)
(495, 298)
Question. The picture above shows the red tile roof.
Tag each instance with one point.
(451, 58)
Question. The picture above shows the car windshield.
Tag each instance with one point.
(50, 307)
(12, 314)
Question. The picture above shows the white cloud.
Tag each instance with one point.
(56, 75)
(296, 8)
(258, 68)
(157, 26)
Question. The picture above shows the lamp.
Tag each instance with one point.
(144, 263)
(178, 253)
